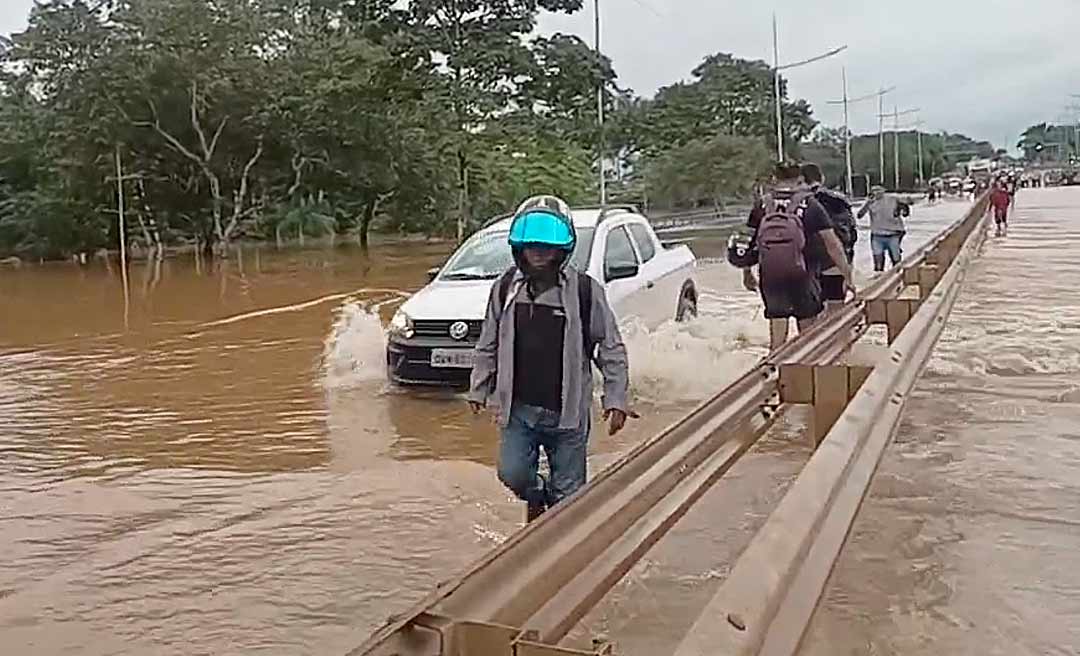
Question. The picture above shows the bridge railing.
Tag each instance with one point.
(524, 597)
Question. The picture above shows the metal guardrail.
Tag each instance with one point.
(525, 596)
(695, 218)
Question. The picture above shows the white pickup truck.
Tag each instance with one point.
(431, 339)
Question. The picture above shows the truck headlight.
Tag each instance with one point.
(402, 325)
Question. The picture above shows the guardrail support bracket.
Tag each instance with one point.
(828, 388)
(892, 312)
(925, 276)
(470, 638)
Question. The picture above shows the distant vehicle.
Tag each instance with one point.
(430, 340)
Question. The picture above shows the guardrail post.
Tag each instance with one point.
(827, 388)
(470, 638)
(893, 312)
(923, 275)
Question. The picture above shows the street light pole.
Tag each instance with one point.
(918, 134)
(776, 85)
(600, 106)
(896, 148)
(847, 136)
(881, 137)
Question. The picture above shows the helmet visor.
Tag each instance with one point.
(539, 228)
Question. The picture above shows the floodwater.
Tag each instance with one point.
(969, 542)
(216, 465)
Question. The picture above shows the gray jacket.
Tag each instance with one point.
(493, 372)
(883, 216)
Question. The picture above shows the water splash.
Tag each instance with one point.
(354, 352)
(680, 362)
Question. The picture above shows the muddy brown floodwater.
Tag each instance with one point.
(217, 466)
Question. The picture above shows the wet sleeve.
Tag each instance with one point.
(485, 366)
(611, 355)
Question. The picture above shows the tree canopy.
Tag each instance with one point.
(221, 120)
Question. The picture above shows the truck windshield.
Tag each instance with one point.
(485, 256)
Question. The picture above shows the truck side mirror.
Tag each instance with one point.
(620, 272)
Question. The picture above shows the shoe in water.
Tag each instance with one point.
(533, 511)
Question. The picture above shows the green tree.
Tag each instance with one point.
(1044, 142)
(710, 169)
(480, 43)
(726, 95)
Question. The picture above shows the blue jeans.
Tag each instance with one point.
(530, 429)
(882, 244)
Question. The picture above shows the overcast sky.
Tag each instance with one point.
(987, 68)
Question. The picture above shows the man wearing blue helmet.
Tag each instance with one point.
(546, 324)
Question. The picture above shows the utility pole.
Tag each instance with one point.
(777, 87)
(846, 101)
(896, 148)
(776, 84)
(600, 105)
(896, 142)
(918, 134)
(847, 136)
(881, 137)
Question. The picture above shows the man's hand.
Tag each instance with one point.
(849, 286)
(749, 281)
(617, 419)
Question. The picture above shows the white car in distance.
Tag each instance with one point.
(432, 337)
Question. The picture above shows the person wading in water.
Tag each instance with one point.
(546, 325)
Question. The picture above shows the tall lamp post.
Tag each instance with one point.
(776, 83)
(600, 105)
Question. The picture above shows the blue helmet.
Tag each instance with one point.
(543, 221)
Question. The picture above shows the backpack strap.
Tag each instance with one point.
(585, 298)
(504, 283)
(800, 201)
(585, 291)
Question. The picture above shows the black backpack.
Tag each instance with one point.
(585, 291)
(841, 216)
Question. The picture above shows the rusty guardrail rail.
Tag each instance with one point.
(522, 598)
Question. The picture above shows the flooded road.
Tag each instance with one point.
(969, 542)
(218, 466)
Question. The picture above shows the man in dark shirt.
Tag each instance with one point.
(800, 299)
(838, 208)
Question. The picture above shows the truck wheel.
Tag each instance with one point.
(687, 305)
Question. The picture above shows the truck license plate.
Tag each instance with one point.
(452, 358)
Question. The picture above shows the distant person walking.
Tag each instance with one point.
(1000, 200)
(792, 241)
(546, 324)
(887, 227)
(833, 287)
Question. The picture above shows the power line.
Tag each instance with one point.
(869, 96)
(648, 7)
(825, 55)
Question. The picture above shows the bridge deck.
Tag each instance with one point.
(968, 542)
